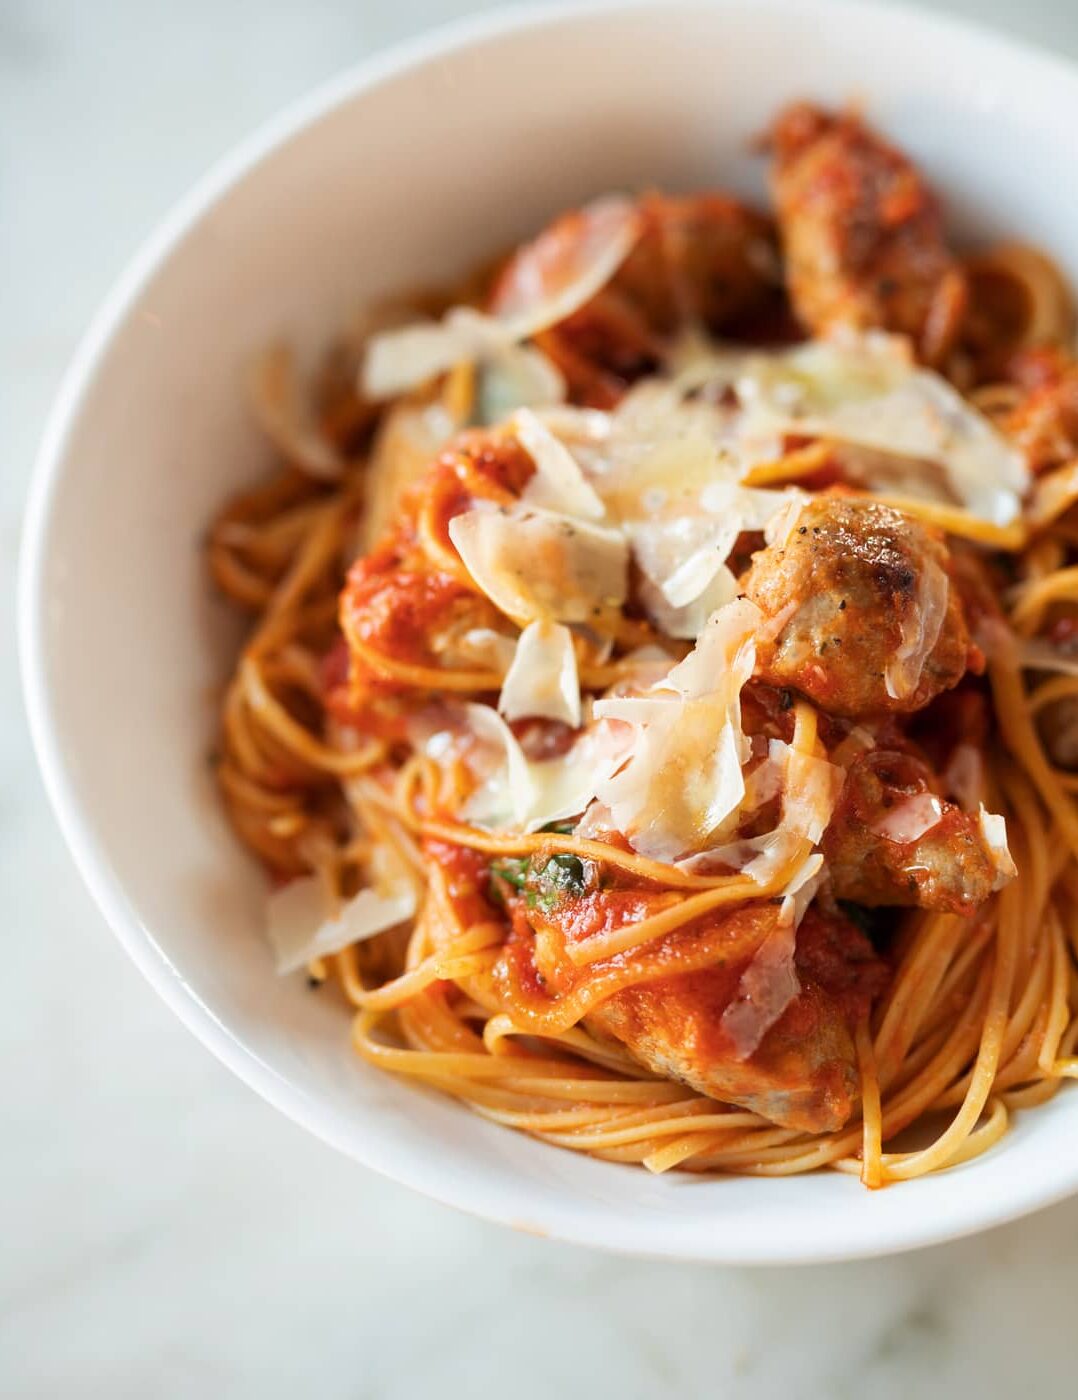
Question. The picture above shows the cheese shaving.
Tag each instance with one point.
(994, 830)
(519, 376)
(767, 987)
(865, 390)
(542, 681)
(920, 632)
(684, 778)
(558, 483)
(535, 564)
(514, 793)
(547, 282)
(801, 890)
(301, 924)
(567, 265)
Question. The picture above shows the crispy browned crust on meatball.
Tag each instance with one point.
(862, 232)
(844, 595)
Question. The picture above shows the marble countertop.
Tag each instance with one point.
(167, 1234)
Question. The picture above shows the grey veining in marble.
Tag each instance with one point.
(165, 1233)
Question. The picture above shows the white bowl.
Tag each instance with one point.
(404, 170)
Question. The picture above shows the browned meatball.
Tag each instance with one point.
(704, 257)
(863, 617)
(802, 1074)
(862, 232)
(893, 842)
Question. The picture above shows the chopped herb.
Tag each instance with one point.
(513, 872)
(562, 872)
(560, 875)
(558, 828)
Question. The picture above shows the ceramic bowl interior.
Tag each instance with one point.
(402, 172)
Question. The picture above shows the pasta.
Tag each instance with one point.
(660, 710)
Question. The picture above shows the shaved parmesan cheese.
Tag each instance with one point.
(558, 483)
(684, 778)
(688, 620)
(762, 784)
(810, 790)
(801, 890)
(565, 786)
(754, 507)
(567, 265)
(643, 667)
(519, 376)
(400, 359)
(506, 794)
(286, 419)
(666, 549)
(596, 822)
(542, 681)
(758, 857)
(920, 632)
(909, 819)
(547, 281)
(683, 560)
(513, 792)
(767, 987)
(780, 526)
(690, 580)
(534, 564)
(994, 830)
(864, 390)
(301, 925)
(720, 655)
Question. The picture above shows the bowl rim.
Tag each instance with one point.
(76, 824)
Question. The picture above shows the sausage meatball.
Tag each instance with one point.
(863, 617)
(862, 233)
(892, 841)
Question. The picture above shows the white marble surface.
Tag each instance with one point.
(164, 1232)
